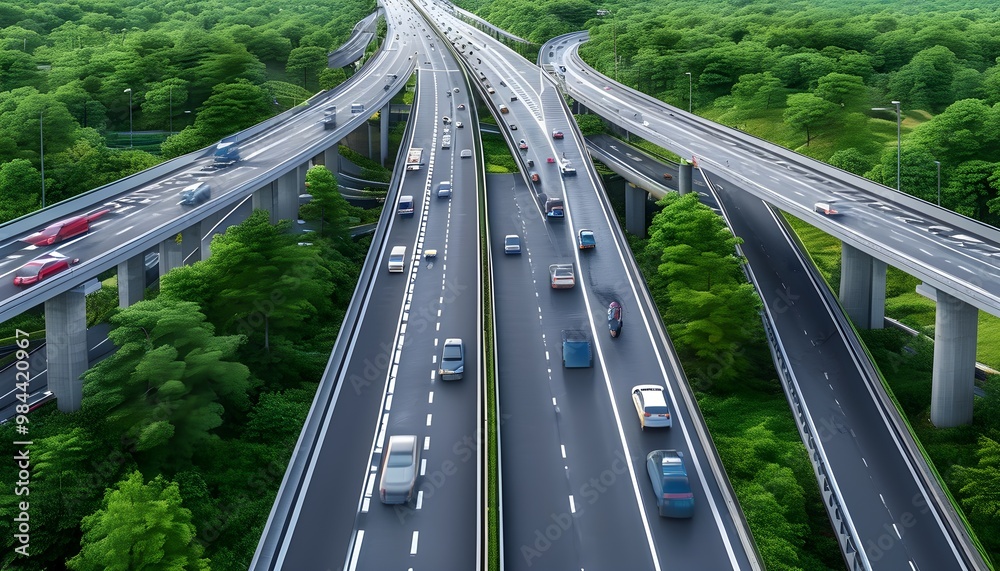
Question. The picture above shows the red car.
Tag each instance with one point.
(64, 229)
(557, 134)
(38, 269)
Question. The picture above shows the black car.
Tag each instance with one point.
(615, 318)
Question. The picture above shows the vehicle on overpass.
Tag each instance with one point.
(40, 268)
(585, 239)
(615, 319)
(226, 153)
(651, 405)
(576, 351)
(399, 469)
(414, 158)
(554, 208)
(195, 194)
(670, 483)
(64, 229)
(562, 276)
(452, 360)
(405, 206)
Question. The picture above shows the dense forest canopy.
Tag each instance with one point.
(807, 75)
(79, 74)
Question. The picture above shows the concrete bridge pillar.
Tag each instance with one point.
(685, 177)
(955, 330)
(635, 210)
(331, 158)
(862, 287)
(66, 346)
(383, 140)
(191, 244)
(131, 280)
(171, 255)
(263, 198)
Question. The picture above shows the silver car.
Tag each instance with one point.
(399, 469)
(452, 360)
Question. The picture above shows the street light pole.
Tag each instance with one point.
(129, 91)
(938, 163)
(899, 145)
(41, 149)
(690, 81)
(170, 92)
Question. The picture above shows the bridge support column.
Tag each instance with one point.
(635, 210)
(685, 177)
(263, 198)
(331, 158)
(955, 331)
(207, 232)
(171, 255)
(383, 139)
(131, 280)
(66, 346)
(286, 193)
(191, 244)
(862, 287)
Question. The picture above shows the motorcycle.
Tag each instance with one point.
(615, 319)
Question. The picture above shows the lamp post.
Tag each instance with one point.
(129, 91)
(614, 35)
(690, 83)
(170, 95)
(898, 139)
(41, 149)
(938, 163)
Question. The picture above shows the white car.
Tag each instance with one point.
(651, 405)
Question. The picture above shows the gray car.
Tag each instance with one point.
(452, 360)
(195, 194)
(399, 469)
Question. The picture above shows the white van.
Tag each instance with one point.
(825, 208)
(397, 259)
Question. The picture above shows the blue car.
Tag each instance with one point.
(670, 483)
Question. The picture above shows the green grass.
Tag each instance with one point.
(497, 154)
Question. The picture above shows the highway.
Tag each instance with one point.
(954, 253)
(389, 383)
(575, 489)
(895, 515)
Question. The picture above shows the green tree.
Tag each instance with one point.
(18, 69)
(231, 108)
(809, 113)
(307, 61)
(852, 160)
(926, 81)
(980, 492)
(20, 189)
(258, 282)
(70, 470)
(842, 89)
(331, 77)
(756, 91)
(969, 190)
(169, 384)
(333, 207)
(140, 527)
